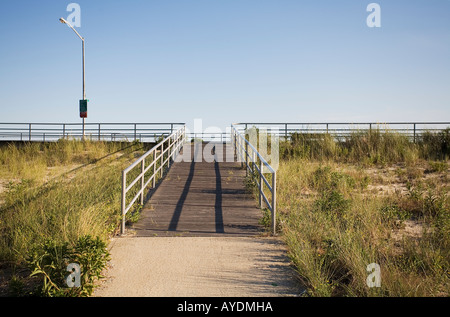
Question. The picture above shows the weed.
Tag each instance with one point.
(266, 219)
(50, 261)
(44, 221)
(336, 230)
(332, 203)
(437, 167)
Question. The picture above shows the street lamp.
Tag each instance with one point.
(84, 88)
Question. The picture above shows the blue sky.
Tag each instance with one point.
(226, 61)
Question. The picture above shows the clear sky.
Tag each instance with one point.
(226, 61)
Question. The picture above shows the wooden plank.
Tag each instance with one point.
(201, 199)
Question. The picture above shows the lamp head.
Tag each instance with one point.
(62, 20)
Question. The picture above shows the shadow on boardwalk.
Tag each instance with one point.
(200, 198)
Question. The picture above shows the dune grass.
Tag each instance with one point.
(59, 193)
(370, 198)
(377, 146)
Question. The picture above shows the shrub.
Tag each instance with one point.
(51, 259)
(332, 203)
(435, 145)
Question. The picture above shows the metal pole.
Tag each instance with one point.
(246, 158)
(142, 180)
(169, 152)
(124, 186)
(84, 79)
(162, 159)
(154, 168)
(274, 202)
(83, 51)
(261, 188)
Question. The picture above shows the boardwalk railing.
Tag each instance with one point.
(341, 130)
(43, 132)
(257, 166)
(158, 157)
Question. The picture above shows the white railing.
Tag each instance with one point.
(257, 165)
(413, 130)
(119, 131)
(170, 145)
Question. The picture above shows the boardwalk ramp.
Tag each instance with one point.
(201, 196)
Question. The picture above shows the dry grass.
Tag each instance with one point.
(337, 218)
(59, 191)
(373, 197)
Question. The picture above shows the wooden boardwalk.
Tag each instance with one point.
(201, 198)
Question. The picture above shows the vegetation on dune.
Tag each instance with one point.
(374, 197)
(60, 202)
(377, 146)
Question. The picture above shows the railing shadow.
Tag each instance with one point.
(218, 212)
(179, 206)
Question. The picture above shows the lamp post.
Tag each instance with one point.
(82, 39)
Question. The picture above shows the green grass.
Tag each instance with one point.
(337, 228)
(371, 198)
(378, 146)
(59, 193)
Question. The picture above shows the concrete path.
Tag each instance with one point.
(198, 267)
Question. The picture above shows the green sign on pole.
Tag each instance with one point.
(83, 108)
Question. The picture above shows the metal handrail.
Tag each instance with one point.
(343, 129)
(222, 137)
(117, 131)
(246, 152)
(175, 143)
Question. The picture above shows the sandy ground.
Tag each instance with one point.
(198, 267)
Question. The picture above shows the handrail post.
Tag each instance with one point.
(274, 202)
(29, 132)
(414, 138)
(142, 180)
(124, 185)
(169, 152)
(154, 168)
(254, 162)
(99, 131)
(261, 188)
(235, 144)
(246, 157)
(162, 158)
(241, 152)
